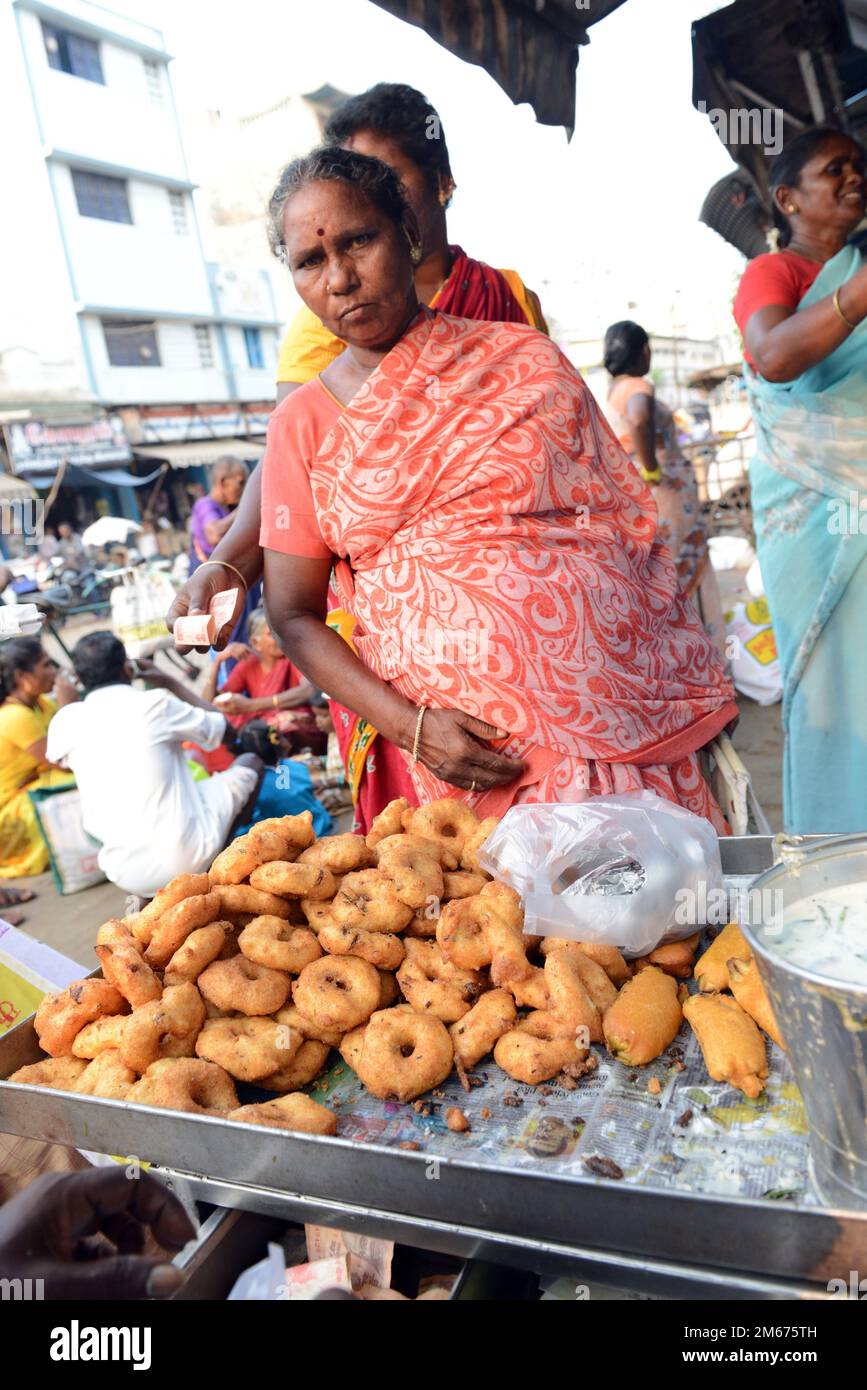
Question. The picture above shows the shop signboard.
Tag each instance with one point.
(176, 424)
(180, 424)
(42, 444)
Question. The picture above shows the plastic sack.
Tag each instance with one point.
(72, 853)
(138, 612)
(754, 581)
(752, 649)
(730, 552)
(19, 619)
(627, 870)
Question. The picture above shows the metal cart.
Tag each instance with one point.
(668, 1242)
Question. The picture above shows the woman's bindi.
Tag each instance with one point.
(320, 231)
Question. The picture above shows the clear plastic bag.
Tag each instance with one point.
(631, 871)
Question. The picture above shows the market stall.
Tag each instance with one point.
(646, 1174)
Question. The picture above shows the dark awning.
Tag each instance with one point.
(531, 50)
(793, 56)
(75, 475)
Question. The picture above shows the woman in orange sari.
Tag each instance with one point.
(397, 124)
(523, 632)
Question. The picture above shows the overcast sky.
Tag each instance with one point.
(595, 226)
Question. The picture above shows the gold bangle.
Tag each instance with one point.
(836, 302)
(274, 699)
(418, 724)
(226, 565)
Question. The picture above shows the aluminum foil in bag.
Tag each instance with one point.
(632, 871)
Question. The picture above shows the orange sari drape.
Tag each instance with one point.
(500, 554)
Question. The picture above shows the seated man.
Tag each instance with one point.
(138, 795)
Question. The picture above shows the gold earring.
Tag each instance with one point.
(414, 247)
(791, 208)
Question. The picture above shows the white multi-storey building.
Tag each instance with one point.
(238, 157)
(107, 302)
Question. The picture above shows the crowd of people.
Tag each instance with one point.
(457, 572)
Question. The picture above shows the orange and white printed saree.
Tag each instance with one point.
(499, 553)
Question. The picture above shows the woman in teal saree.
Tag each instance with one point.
(803, 316)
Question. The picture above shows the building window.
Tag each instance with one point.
(178, 205)
(253, 342)
(153, 80)
(204, 344)
(131, 342)
(72, 53)
(98, 195)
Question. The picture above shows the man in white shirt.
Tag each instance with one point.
(138, 795)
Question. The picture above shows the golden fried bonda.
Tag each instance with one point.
(644, 1018)
(246, 854)
(141, 924)
(749, 990)
(175, 925)
(731, 1044)
(475, 1034)
(674, 957)
(569, 997)
(711, 969)
(613, 963)
(388, 822)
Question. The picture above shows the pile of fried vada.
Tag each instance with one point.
(398, 950)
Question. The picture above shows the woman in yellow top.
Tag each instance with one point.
(396, 124)
(27, 674)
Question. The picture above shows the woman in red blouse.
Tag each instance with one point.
(803, 315)
(264, 685)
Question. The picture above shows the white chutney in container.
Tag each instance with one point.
(811, 950)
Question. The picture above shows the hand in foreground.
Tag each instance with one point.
(56, 1230)
(195, 597)
(452, 747)
(227, 703)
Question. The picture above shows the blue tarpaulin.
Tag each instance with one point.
(78, 476)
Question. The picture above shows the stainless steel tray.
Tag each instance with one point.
(666, 1241)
